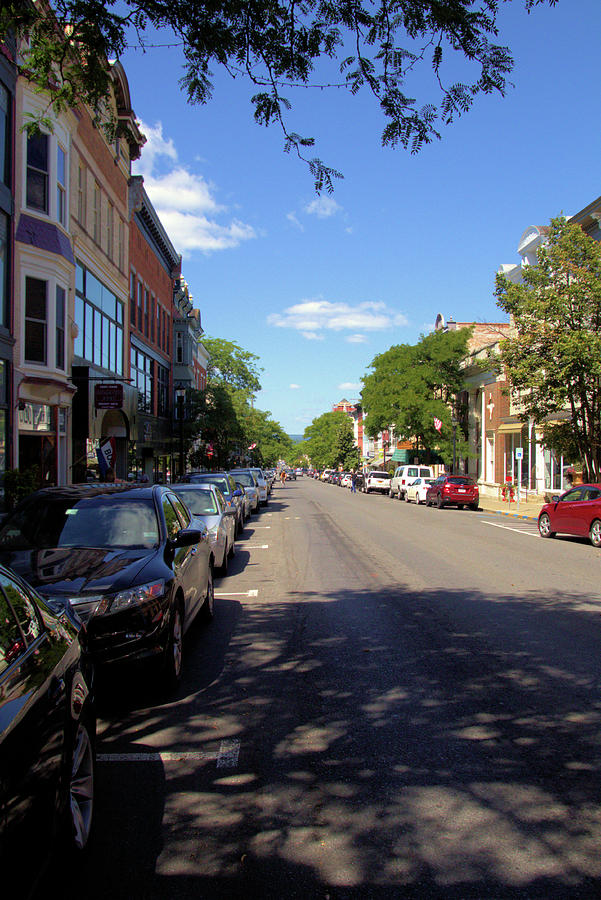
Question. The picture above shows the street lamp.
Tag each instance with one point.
(180, 396)
(454, 423)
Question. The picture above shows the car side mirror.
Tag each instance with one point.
(187, 537)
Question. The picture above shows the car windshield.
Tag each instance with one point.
(244, 478)
(105, 522)
(380, 474)
(200, 502)
(217, 480)
(456, 479)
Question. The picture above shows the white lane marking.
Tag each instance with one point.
(237, 594)
(228, 754)
(261, 526)
(507, 528)
(162, 756)
(256, 546)
(226, 757)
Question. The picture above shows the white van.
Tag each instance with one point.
(403, 476)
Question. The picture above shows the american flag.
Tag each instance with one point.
(437, 423)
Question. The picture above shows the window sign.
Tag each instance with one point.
(35, 417)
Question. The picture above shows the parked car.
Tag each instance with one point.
(456, 490)
(126, 558)
(249, 482)
(404, 475)
(208, 505)
(262, 484)
(229, 489)
(577, 512)
(345, 480)
(47, 734)
(377, 480)
(417, 490)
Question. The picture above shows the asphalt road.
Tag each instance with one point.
(391, 702)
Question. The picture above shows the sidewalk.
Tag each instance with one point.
(526, 509)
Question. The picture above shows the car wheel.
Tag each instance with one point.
(544, 526)
(460, 506)
(81, 787)
(207, 610)
(595, 533)
(439, 501)
(222, 569)
(232, 549)
(174, 654)
(390, 494)
(474, 506)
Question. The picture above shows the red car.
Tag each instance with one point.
(458, 490)
(577, 512)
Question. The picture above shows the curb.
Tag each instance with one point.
(500, 512)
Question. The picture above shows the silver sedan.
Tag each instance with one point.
(206, 502)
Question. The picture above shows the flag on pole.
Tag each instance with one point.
(437, 423)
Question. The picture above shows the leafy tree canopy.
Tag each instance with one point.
(347, 452)
(411, 385)
(320, 439)
(276, 46)
(232, 366)
(554, 361)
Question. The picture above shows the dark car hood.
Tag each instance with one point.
(70, 571)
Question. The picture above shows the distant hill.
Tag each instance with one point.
(296, 438)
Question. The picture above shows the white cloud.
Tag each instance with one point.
(314, 317)
(294, 387)
(185, 201)
(323, 207)
(349, 386)
(292, 217)
(356, 339)
(312, 336)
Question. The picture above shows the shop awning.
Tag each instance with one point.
(401, 456)
(510, 428)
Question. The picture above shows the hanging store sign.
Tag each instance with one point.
(108, 396)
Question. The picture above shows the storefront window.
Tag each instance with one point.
(99, 318)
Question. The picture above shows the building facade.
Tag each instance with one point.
(154, 267)
(105, 404)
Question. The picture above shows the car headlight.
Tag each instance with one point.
(103, 604)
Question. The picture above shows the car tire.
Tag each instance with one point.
(207, 609)
(222, 569)
(474, 506)
(544, 526)
(595, 533)
(174, 652)
(81, 788)
(439, 501)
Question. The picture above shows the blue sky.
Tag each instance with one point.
(317, 286)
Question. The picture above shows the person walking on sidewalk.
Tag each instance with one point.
(353, 482)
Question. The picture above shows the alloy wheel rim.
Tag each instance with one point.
(81, 787)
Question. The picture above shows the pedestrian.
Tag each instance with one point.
(353, 482)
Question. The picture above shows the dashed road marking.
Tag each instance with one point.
(228, 755)
(256, 546)
(163, 756)
(509, 528)
(236, 593)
